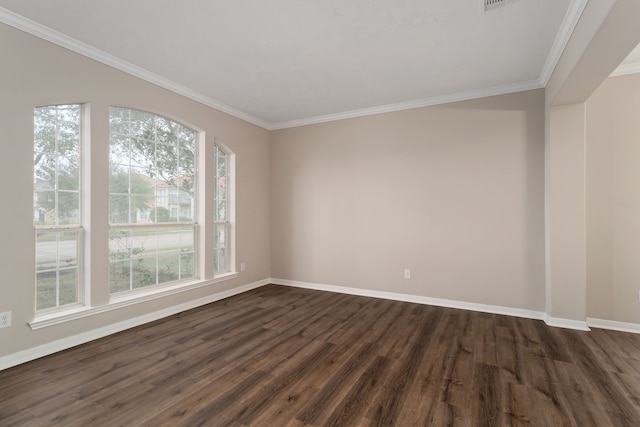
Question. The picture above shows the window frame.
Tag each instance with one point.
(57, 229)
(93, 258)
(230, 208)
(158, 226)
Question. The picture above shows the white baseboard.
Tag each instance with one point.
(72, 341)
(69, 342)
(613, 325)
(559, 322)
(484, 308)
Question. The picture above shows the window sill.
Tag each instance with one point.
(120, 301)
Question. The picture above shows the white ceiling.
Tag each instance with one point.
(280, 63)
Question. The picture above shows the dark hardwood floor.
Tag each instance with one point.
(279, 356)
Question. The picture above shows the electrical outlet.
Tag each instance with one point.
(243, 267)
(5, 319)
(407, 273)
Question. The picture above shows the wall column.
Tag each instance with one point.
(566, 281)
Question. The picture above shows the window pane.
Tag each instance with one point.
(221, 162)
(187, 250)
(118, 209)
(119, 245)
(168, 241)
(144, 242)
(221, 211)
(119, 276)
(148, 256)
(143, 272)
(57, 269)
(46, 251)
(220, 235)
(220, 261)
(45, 208)
(56, 164)
(168, 267)
(166, 131)
(119, 120)
(186, 162)
(187, 138)
(139, 205)
(68, 279)
(161, 154)
(46, 290)
(187, 265)
(68, 210)
(141, 123)
(67, 250)
(221, 188)
(186, 239)
(68, 178)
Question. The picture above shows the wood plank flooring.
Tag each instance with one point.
(279, 356)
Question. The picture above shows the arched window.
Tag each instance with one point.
(152, 200)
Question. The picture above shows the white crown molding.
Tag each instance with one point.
(569, 23)
(559, 322)
(634, 328)
(626, 69)
(72, 341)
(417, 299)
(426, 102)
(56, 37)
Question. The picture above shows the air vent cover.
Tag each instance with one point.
(490, 4)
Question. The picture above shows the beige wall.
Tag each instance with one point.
(605, 34)
(35, 73)
(566, 295)
(454, 192)
(613, 200)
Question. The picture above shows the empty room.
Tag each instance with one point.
(320, 213)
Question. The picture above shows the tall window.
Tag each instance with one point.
(221, 219)
(56, 205)
(152, 200)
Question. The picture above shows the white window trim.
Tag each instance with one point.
(194, 223)
(83, 291)
(231, 203)
(123, 299)
(204, 273)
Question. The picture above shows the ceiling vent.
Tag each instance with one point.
(491, 4)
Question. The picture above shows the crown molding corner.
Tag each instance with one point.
(626, 69)
(571, 18)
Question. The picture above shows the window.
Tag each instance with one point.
(57, 215)
(152, 200)
(222, 215)
(154, 238)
